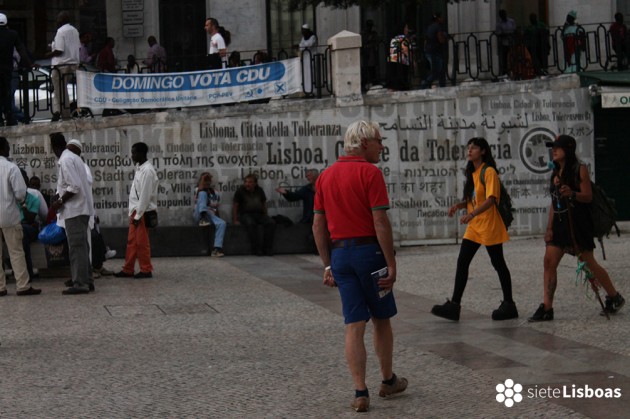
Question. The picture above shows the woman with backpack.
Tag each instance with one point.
(570, 227)
(485, 226)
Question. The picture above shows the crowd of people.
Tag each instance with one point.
(72, 209)
(522, 50)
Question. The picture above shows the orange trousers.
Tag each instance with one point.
(138, 247)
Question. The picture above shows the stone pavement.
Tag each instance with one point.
(261, 337)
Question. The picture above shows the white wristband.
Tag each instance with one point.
(327, 268)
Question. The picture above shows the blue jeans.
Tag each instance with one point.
(352, 267)
(437, 70)
(219, 225)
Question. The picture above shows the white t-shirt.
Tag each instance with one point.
(67, 41)
(217, 43)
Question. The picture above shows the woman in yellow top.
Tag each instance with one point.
(485, 227)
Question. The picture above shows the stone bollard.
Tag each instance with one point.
(345, 50)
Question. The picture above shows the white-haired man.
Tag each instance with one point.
(350, 213)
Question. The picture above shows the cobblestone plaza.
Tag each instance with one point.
(261, 337)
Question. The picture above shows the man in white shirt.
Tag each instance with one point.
(12, 194)
(74, 208)
(308, 48)
(65, 59)
(218, 49)
(142, 198)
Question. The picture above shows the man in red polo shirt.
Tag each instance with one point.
(354, 240)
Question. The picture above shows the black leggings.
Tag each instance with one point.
(466, 253)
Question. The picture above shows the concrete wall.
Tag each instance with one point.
(332, 21)
(245, 19)
(426, 133)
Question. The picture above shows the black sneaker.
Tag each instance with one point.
(448, 310)
(505, 311)
(614, 304)
(56, 116)
(541, 315)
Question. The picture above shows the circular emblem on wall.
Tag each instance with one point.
(533, 150)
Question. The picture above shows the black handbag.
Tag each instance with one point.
(151, 219)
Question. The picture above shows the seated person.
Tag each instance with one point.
(250, 209)
(207, 202)
(36, 184)
(306, 193)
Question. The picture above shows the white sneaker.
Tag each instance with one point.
(204, 223)
(110, 253)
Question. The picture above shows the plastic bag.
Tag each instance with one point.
(52, 234)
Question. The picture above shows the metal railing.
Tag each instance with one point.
(478, 55)
(475, 56)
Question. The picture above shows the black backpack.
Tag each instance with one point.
(505, 202)
(603, 213)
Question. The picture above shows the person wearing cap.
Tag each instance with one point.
(573, 40)
(65, 57)
(354, 240)
(74, 208)
(9, 43)
(12, 197)
(570, 227)
(308, 48)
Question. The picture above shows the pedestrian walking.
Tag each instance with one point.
(570, 227)
(482, 191)
(354, 240)
(142, 198)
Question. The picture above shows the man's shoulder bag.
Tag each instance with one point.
(151, 219)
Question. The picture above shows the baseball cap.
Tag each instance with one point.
(3, 19)
(565, 142)
(76, 143)
(573, 14)
(305, 26)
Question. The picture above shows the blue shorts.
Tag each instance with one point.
(352, 267)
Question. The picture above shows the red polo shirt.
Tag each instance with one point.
(347, 193)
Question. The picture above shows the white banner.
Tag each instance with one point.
(198, 88)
